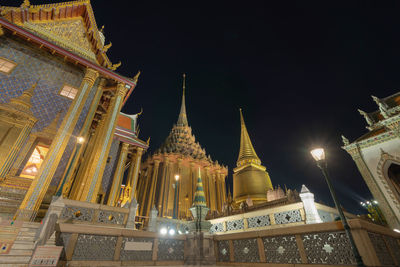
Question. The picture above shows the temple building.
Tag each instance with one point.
(169, 176)
(62, 132)
(377, 156)
(250, 179)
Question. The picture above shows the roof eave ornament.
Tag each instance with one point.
(383, 107)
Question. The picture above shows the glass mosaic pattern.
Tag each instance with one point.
(94, 247)
(132, 255)
(246, 250)
(234, 225)
(290, 216)
(325, 216)
(170, 249)
(381, 249)
(258, 221)
(281, 249)
(328, 248)
(223, 250)
(110, 166)
(215, 228)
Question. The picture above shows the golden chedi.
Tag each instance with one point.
(250, 178)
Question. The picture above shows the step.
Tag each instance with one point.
(21, 252)
(15, 265)
(14, 259)
(25, 246)
(25, 238)
(28, 233)
(31, 224)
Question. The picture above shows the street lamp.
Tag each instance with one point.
(175, 211)
(319, 155)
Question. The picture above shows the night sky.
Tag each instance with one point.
(299, 70)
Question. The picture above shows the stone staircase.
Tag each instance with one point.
(22, 249)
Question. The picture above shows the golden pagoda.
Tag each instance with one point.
(168, 177)
(250, 178)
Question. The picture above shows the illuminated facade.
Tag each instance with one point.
(61, 129)
(180, 156)
(377, 156)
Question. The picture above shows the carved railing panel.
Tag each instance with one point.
(223, 250)
(113, 217)
(328, 248)
(290, 216)
(246, 250)
(170, 249)
(94, 247)
(281, 249)
(234, 225)
(381, 249)
(77, 213)
(215, 228)
(259, 221)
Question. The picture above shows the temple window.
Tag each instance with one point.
(35, 161)
(6, 66)
(68, 91)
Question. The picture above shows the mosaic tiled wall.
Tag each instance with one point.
(110, 166)
(290, 216)
(234, 225)
(51, 73)
(34, 65)
(223, 250)
(258, 221)
(217, 227)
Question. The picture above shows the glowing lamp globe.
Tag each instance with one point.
(318, 154)
(177, 177)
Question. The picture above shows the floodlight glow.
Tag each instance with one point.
(318, 154)
(80, 140)
(375, 202)
(163, 231)
(176, 177)
(171, 231)
(396, 230)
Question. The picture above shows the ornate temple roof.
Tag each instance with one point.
(181, 140)
(246, 152)
(58, 23)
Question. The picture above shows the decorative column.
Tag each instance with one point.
(206, 186)
(211, 184)
(96, 163)
(167, 188)
(152, 192)
(134, 172)
(66, 182)
(162, 187)
(311, 211)
(37, 190)
(145, 192)
(218, 191)
(118, 176)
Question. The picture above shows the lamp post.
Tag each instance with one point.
(319, 156)
(175, 212)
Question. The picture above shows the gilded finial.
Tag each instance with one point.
(115, 66)
(25, 3)
(106, 47)
(135, 79)
(184, 83)
(148, 141)
(102, 29)
(141, 111)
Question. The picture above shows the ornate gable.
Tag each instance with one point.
(70, 25)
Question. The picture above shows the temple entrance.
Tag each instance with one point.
(34, 162)
(393, 174)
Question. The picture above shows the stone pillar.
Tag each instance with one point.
(66, 182)
(37, 190)
(118, 176)
(211, 184)
(311, 211)
(132, 214)
(153, 220)
(92, 173)
(12, 154)
(167, 187)
(152, 192)
(218, 191)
